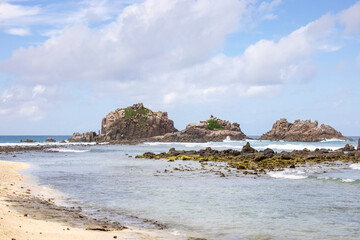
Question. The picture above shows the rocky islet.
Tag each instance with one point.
(136, 124)
(301, 131)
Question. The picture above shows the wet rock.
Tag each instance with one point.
(84, 137)
(50, 140)
(358, 147)
(257, 162)
(247, 148)
(27, 141)
(348, 148)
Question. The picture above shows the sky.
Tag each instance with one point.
(65, 64)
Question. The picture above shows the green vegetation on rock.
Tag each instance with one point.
(214, 125)
(131, 113)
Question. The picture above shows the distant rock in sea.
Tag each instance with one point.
(131, 124)
(358, 147)
(213, 129)
(301, 131)
(50, 140)
(27, 141)
(84, 137)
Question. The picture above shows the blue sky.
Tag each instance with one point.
(65, 64)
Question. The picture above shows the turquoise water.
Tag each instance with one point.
(311, 202)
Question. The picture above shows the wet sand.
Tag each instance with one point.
(26, 214)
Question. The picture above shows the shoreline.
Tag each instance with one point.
(28, 215)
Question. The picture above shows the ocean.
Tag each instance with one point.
(310, 202)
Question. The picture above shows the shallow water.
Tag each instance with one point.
(310, 202)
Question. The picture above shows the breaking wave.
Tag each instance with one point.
(66, 150)
(355, 166)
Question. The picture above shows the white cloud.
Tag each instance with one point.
(11, 11)
(167, 51)
(18, 31)
(38, 90)
(351, 18)
(25, 102)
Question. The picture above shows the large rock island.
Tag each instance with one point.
(212, 130)
(130, 124)
(301, 131)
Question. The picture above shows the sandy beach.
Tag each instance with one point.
(16, 223)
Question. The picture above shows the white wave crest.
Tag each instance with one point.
(355, 166)
(348, 180)
(333, 140)
(286, 175)
(66, 150)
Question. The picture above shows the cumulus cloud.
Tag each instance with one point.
(351, 18)
(171, 48)
(25, 102)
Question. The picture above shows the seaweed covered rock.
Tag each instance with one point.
(213, 129)
(259, 161)
(301, 131)
(135, 123)
(49, 139)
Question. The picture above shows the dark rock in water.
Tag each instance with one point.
(212, 130)
(247, 148)
(84, 137)
(257, 162)
(358, 147)
(27, 141)
(301, 131)
(50, 140)
(348, 148)
(269, 151)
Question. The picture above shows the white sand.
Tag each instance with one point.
(14, 225)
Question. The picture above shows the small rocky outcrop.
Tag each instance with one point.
(134, 124)
(27, 141)
(301, 131)
(212, 130)
(259, 162)
(50, 140)
(358, 147)
(84, 137)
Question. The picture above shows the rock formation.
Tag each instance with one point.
(135, 123)
(358, 147)
(49, 139)
(84, 137)
(203, 132)
(301, 131)
(256, 162)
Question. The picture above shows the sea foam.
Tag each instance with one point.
(66, 150)
(296, 175)
(355, 166)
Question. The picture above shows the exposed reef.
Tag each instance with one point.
(301, 131)
(252, 161)
(213, 129)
